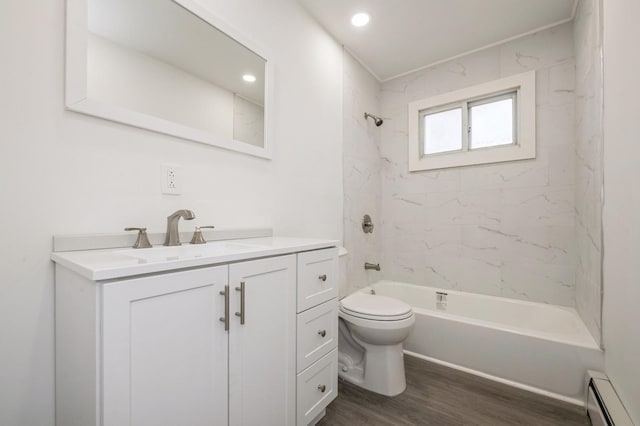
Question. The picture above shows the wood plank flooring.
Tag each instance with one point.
(441, 396)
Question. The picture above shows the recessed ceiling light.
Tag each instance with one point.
(249, 78)
(360, 19)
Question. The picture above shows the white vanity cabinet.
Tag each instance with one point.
(152, 349)
(157, 353)
(317, 341)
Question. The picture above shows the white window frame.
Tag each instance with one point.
(524, 125)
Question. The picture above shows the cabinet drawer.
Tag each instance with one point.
(317, 277)
(317, 387)
(317, 333)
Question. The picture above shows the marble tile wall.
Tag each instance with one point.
(504, 229)
(362, 186)
(248, 121)
(588, 173)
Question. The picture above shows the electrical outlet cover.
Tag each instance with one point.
(171, 179)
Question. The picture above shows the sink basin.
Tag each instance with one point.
(187, 251)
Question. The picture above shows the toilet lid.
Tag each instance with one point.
(374, 305)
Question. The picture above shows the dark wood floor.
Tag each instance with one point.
(438, 395)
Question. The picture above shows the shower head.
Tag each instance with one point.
(376, 119)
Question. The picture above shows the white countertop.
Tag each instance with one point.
(108, 264)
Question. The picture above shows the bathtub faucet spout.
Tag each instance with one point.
(374, 266)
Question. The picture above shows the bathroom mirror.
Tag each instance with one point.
(169, 66)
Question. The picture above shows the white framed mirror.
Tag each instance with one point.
(169, 66)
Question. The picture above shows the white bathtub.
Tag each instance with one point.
(542, 348)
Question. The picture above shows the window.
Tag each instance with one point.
(491, 121)
(443, 130)
(488, 123)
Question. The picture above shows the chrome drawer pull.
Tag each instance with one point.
(323, 277)
(322, 388)
(322, 333)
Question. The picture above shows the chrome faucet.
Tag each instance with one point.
(173, 236)
(374, 266)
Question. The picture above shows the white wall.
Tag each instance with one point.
(502, 229)
(588, 52)
(621, 314)
(362, 186)
(66, 173)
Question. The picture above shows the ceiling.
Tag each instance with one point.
(406, 35)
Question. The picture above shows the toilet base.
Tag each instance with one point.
(381, 369)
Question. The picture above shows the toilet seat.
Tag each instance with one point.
(375, 308)
(350, 314)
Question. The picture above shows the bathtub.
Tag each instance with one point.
(542, 348)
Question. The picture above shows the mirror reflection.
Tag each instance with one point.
(156, 58)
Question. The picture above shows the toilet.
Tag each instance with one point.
(372, 329)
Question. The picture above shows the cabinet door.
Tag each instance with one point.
(165, 350)
(262, 350)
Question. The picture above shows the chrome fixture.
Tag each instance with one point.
(198, 238)
(242, 307)
(173, 236)
(323, 277)
(367, 224)
(142, 241)
(376, 119)
(374, 266)
(225, 318)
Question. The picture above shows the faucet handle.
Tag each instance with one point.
(197, 235)
(142, 241)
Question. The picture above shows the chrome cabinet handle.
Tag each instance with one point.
(322, 333)
(225, 318)
(322, 388)
(323, 277)
(242, 308)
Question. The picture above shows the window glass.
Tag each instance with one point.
(491, 123)
(443, 131)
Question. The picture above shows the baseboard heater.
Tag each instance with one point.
(603, 405)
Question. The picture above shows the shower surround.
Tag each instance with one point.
(526, 229)
(361, 171)
(588, 51)
(504, 229)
